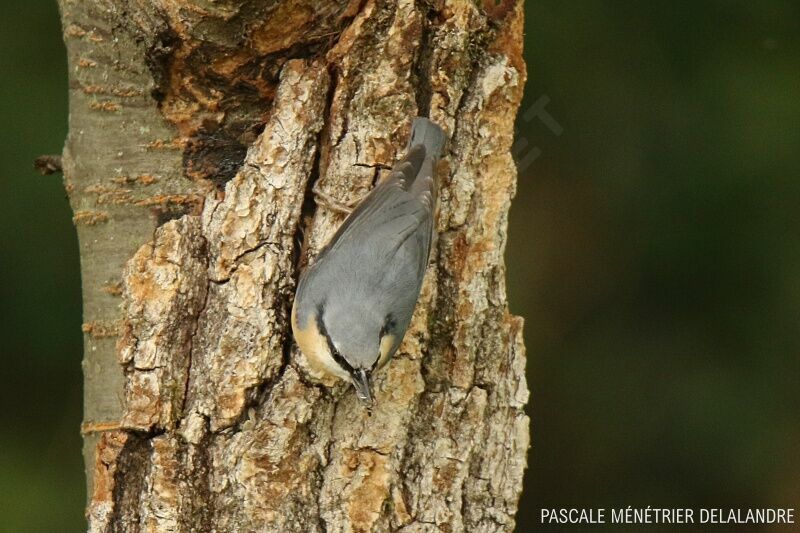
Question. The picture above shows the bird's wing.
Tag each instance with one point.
(389, 205)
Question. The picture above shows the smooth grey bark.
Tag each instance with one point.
(197, 130)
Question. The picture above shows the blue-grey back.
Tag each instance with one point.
(367, 279)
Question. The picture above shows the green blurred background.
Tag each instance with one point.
(653, 253)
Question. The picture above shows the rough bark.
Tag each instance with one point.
(197, 129)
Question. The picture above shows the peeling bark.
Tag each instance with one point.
(197, 130)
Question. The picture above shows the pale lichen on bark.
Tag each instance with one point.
(223, 427)
(252, 233)
(165, 287)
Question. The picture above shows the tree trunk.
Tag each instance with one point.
(197, 129)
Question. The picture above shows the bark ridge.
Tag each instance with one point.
(201, 415)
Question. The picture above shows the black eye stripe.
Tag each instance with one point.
(388, 323)
(341, 361)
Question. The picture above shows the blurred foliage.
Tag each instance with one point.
(653, 253)
(41, 469)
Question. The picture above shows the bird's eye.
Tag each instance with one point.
(389, 323)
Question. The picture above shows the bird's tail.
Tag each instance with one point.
(428, 134)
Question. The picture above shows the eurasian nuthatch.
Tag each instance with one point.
(354, 303)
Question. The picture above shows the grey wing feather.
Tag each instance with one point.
(383, 201)
(378, 255)
(383, 226)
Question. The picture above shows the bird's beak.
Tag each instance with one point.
(361, 381)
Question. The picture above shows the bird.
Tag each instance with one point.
(354, 303)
